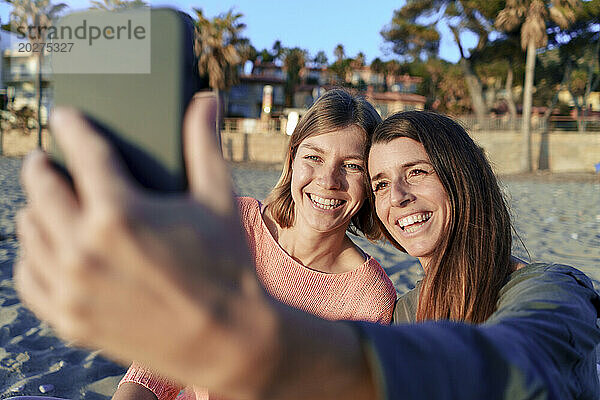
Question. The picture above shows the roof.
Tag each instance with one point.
(262, 79)
(397, 96)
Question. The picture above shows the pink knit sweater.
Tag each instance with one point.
(365, 293)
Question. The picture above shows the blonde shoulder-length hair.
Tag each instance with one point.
(335, 110)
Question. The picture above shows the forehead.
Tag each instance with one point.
(349, 139)
(395, 154)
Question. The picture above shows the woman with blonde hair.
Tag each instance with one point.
(298, 237)
(183, 296)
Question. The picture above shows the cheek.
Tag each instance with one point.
(357, 187)
(444, 201)
(448, 213)
(300, 175)
(381, 208)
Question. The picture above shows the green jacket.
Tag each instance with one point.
(538, 344)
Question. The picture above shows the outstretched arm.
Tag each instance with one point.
(167, 280)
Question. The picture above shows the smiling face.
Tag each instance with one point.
(410, 200)
(327, 183)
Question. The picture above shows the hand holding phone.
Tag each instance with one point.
(140, 110)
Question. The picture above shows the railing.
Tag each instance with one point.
(538, 124)
(248, 125)
(471, 123)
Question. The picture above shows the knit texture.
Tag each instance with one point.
(365, 293)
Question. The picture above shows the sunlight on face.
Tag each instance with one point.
(327, 179)
(410, 200)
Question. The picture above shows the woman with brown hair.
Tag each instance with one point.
(182, 296)
(298, 237)
(438, 199)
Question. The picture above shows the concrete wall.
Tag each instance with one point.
(15, 143)
(254, 147)
(554, 151)
(560, 152)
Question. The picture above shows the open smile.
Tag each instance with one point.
(325, 204)
(414, 222)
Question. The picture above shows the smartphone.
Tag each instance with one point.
(138, 107)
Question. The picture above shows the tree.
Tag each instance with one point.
(218, 48)
(453, 92)
(341, 66)
(111, 5)
(414, 34)
(339, 53)
(359, 61)
(294, 60)
(501, 61)
(530, 17)
(37, 14)
(582, 53)
(378, 67)
(432, 72)
(278, 50)
(392, 69)
(320, 59)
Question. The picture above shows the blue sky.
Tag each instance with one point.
(309, 24)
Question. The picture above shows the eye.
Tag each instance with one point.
(379, 186)
(416, 174)
(312, 158)
(354, 167)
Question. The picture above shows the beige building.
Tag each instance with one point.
(388, 103)
(593, 100)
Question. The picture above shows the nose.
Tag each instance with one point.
(329, 177)
(401, 195)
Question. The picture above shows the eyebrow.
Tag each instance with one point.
(407, 165)
(322, 151)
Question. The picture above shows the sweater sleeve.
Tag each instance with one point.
(538, 344)
(163, 388)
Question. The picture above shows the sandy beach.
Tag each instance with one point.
(557, 218)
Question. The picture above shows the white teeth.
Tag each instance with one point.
(326, 204)
(413, 219)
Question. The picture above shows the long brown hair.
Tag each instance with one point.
(335, 110)
(465, 275)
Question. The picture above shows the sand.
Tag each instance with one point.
(558, 220)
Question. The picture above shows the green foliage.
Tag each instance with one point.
(453, 94)
(320, 59)
(339, 53)
(294, 60)
(117, 4)
(37, 13)
(220, 48)
(410, 39)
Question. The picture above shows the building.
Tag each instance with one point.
(593, 100)
(19, 75)
(388, 103)
(245, 100)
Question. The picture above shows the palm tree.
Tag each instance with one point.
(341, 65)
(531, 16)
(378, 67)
(359, 61)
(217, 46)
(294, 60)
(339, 53)
(320, 59)
(38, 14)
(111, 5)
